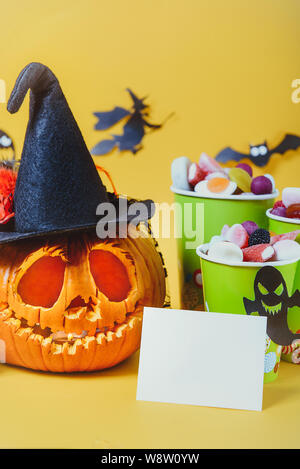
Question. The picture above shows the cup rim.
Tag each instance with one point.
(291, 221)
(226, 197)
(204, 256)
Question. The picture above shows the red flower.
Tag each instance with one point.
(6, 209)
(8, 179)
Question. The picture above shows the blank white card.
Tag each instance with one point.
(199, 358)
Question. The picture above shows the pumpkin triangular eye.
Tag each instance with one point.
(42, 282)
(110, 275)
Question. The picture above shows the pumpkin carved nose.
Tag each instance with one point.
(77, 302)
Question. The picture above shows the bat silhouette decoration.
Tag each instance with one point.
(133, 130)
(260, 154)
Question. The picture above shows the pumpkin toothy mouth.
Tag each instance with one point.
(58, 337)
(21, 326)
(41, 348)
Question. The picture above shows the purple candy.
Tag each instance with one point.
(279, 211)
(261, 185)
(250, 226)
(246, 167)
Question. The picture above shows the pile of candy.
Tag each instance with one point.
(208, 178)
(246, 242)
(289, 206)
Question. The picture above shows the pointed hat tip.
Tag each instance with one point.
(36, 77)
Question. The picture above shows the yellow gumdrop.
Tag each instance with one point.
(241, 178)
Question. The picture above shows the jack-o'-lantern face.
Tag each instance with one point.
(75, 303)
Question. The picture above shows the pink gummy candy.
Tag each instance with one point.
(237, 235)
(208, 164)
(291, 235)
(258, 253)
(224, 230)
(195, 174)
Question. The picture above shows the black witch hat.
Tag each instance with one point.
(58, 186)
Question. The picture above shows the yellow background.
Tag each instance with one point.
(225, 68)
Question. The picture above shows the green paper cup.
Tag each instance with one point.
(280, 225)
(231, 288)
(206, 216)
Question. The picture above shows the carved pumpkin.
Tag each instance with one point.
(68, 302)
(75, 303)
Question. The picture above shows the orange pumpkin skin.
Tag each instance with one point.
(76, 303)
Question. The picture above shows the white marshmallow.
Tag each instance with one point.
(179, 173)
(215, 239)
(226, 252)
(286, 249)
(291, 196)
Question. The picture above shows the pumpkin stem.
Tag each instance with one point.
(100, 168)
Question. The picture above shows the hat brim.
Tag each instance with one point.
(122, 218)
